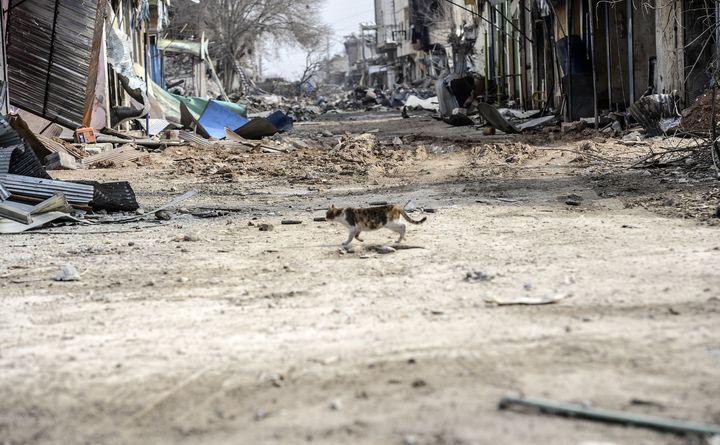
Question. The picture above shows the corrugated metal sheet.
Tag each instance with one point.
(192, 137)
(52, 53)
(8, 135)
(45, 188)
(4, 194)
(117, 156)
(5, 156)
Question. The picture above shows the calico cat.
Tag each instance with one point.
(372, 218)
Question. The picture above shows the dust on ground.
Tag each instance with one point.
(246, 336)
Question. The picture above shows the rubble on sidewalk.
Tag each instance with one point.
(31, 198)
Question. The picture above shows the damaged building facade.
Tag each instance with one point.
(616, 50)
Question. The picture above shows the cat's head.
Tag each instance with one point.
(332, 213)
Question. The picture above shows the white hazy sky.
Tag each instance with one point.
(344, 16)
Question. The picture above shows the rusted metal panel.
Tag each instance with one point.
(52, 53)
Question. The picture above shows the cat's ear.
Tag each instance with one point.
(332, 207)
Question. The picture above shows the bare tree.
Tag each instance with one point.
(315, 60)
(235, 26)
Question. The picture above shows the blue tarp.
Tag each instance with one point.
(215, 118)
(155, 65)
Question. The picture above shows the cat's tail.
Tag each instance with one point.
(410, 220)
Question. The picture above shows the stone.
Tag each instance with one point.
(163, 215)
(266, 227)
(67, 273)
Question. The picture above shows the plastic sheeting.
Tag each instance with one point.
(119, 55)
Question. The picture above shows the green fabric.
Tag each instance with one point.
(196, 105)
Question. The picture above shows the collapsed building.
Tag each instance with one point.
(578, 56)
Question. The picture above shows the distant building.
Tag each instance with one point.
(617, 50)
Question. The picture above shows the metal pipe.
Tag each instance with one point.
(487, 68)
(491, 13)
(631, 51)
(592, 63)
(523, 58)
(568, 62)
(147, 84)
(608, 55)
(605, 415)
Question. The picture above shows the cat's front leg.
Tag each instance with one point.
(351, 235)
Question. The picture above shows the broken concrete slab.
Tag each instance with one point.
(61, 161)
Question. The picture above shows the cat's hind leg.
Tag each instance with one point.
(357, 236)
(397, 227)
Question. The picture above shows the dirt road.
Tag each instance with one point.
(279, 337)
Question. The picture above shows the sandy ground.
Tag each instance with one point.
(280, 337)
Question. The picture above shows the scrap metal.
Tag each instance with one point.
(605, 415)
(45, 188)
(52, 54)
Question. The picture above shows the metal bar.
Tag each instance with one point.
(605, 415)
(568, 62)
(631, 51)
(592, 63)
(50, 56)
(4, 194)
(608, 55)
(14, 214)
(147, 83)
(523, 59)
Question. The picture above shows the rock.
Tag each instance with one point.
(67, 273)
(191, 237)
(634, 136)
(383, 250)
(410, 439)
(163, 215)
(573, 200)
(289, 222)
(319, 219)
(419, 383)
(478, 276)
(266, 227)
(336, 405)
(488, 131)
(327, 133)
(570, 127)
(397, 141)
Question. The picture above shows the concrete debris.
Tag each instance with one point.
(526, 301)
(657, 113)
(67, 273)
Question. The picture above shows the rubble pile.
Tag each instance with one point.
(698, 116)
(312, 161)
